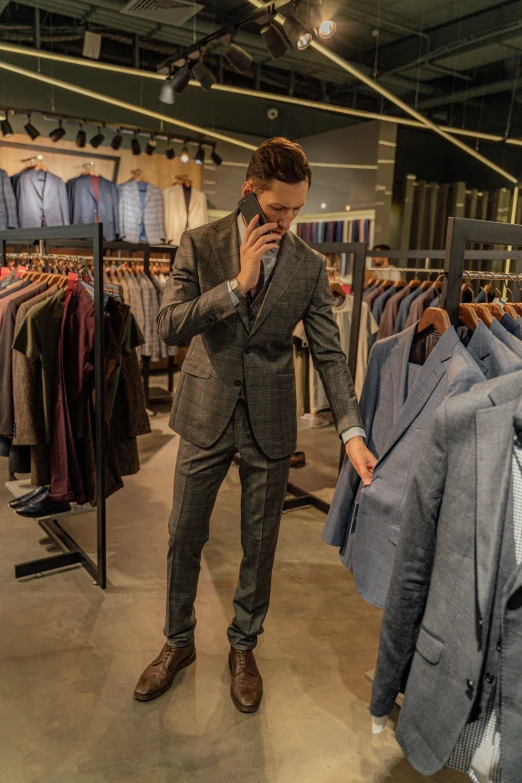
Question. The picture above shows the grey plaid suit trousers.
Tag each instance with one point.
(199, 474)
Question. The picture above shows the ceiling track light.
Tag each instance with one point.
(81, 137)
(29, 128)
(204, 75)
(217, 160)
(167, 93)
(98, 139)
(323, 26)
(117, 140)
(58, 133)
(296, 32)
(169, 152)
(199, 157)
(181, 79)
(135, 145)
(240, 60)
(150, 149)
(184, 156)
(274, 40)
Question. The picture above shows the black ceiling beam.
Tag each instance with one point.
(482, 26)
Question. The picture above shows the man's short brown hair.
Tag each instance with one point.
(280, 159)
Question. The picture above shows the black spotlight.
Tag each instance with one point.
(181, 79)
(184, 156)
(216, 159)
(167, 94)
(274, 40)
(117, 140)
(204, 76)
(31, 131)
(150, 149)
(297, 33)
(169, 152)
(135, 145)
(199, 157)
(97, 139)
(58, 133)
(6, 126)
(81, 137)
(238, 58)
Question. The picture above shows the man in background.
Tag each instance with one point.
(381, 269)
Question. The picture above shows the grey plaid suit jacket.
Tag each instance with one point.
(130, 213)
(491, 355)
(437, 617)
(507, 339)
(230, 351)
(395, 424)
(8, 213)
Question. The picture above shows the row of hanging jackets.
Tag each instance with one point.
(135, 211)
(143, 294)
(451, 636)
(47, 401)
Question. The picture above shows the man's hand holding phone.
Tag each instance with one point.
(256, 242)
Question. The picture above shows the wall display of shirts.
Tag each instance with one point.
(135, 211)
(47, 404)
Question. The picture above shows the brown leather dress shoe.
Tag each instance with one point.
(159, 675)
(247, 685)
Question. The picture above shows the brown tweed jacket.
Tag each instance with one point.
(234, 349)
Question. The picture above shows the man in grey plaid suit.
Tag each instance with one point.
(238, 292)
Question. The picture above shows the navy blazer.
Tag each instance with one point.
(36, 209)
(8, 214)
(84, 208)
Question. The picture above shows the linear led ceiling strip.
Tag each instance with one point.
(331, 108)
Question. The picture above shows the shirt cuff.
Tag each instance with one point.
(352, 432)
(233, 297)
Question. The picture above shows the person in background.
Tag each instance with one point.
(381, 269)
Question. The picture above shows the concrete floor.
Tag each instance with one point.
(70, 654)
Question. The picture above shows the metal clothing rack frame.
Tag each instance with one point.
(302, 497)
(464, 230)
(72, 553)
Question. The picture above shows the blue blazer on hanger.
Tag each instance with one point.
(41, 198)
(85, 209)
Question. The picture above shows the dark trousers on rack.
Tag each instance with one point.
(199, 474)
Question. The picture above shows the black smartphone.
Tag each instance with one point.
(249, 208)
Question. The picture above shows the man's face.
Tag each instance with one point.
(280, 203)
(380, 263)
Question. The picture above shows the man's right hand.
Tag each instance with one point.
(255, 244)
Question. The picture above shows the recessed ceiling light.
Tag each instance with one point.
(323, 205)
(347, 207)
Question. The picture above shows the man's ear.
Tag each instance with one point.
(246, 189)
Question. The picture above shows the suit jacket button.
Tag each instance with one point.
(248, 350)
(237, 383)
(470, 684)
(490, 678)
(210, 318)
(252, 316)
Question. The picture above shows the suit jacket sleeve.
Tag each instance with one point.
(115, 215)
(411, 575)
(10, 202)
(328, 357)
(185, 311)
(64, 203)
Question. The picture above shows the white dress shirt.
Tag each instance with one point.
(269, 262)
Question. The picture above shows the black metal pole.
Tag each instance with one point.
(453, 269)
(99, 384)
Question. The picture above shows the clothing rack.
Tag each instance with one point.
(90, 234)
(460, 232)
(358, 250)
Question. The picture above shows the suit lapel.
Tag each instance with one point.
(493, 456)
(34, 182)
(285, 270)
(432, 372)
(399, 366)
(225, 244)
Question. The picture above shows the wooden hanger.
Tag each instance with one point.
(425, 285)
(139, 176)
(388, 284)
(400, 284)
(483, 313)
(415, 284)
(468, 316)
(495, 310)
(513, 309)
(336, 288)
(436, 318)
